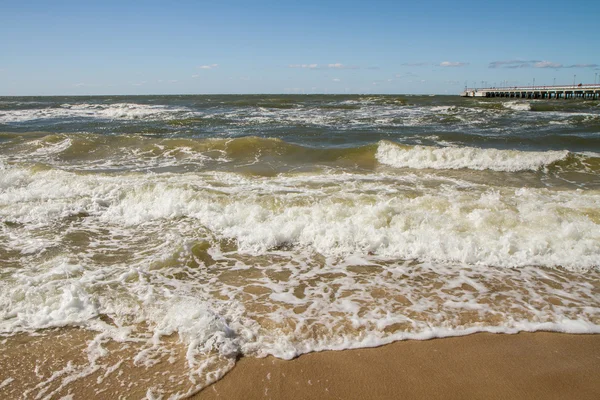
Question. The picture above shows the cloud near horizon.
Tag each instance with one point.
(536, 64)
(583, 66)
(512, 64)
(418, 64)
(323, 66)
(453, 64)
(547, 64)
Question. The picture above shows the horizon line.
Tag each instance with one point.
(233, 94)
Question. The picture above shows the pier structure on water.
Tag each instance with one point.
(582, 92)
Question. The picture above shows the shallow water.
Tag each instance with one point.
(257, 225)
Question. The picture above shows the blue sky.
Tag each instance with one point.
(71, 47)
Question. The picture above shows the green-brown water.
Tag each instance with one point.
(256, 225)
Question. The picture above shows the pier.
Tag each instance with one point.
(581, 91)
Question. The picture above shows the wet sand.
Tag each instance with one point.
(481, 366)
(537, 365)
(54, 364)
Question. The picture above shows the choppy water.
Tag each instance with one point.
(256, 225)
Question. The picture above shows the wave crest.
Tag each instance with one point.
(517, 106)
(428, 157)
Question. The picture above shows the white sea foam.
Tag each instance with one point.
(517, 105)
(336, 217)
(116, 111)
(127, 157)
(368, 113)
(589, 154)
(293, 263)
(6, 382)
(49, 149)
(422, 157)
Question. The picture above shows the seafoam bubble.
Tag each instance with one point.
(422, 157)
(45, 297)
(517, 105)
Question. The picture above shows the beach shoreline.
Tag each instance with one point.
(526, 365)
(149, 243)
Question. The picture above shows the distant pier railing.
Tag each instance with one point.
(583, 92)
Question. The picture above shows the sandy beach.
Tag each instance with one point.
(537, 365)
(540, 365)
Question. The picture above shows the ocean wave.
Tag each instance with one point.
(425, 157)
(517, 105)
(503, 227)
(138, 152)
(168, 248)
(290, 264)
(115, 111)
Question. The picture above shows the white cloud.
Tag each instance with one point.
(336, 79)
(417, 64)
(453, 64)
(547, 64)
(583, 66)
(195, 76)
(536, 64)
(341, 66)
(323, 66)
(512, 64)
(210, 66)
(308, 66)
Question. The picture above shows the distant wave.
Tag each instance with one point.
(517, 105)
(123, 111)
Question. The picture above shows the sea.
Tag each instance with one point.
(147, 243)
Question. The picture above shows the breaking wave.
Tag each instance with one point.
(424, 157)
(115, 111)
